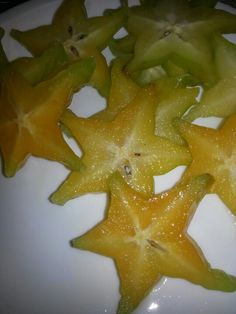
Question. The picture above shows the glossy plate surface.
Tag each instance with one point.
(40, 273)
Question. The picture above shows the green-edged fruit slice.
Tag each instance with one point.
(173, 30)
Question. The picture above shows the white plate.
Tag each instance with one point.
(41, 274)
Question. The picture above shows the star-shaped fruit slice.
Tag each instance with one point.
(126, 144)
(81, 37)
(214, 152)
(72, 27)
(173, 30)
(148, 239)
(29, 116)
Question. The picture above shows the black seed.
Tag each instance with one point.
(156, 245)
(70, 30)
(137, 154)
(81, 36)
(165, 34)
(74, 51)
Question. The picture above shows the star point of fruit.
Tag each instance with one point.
(123, 91)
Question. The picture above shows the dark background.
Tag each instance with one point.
(5, 5)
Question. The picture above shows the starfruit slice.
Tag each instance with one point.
(72, 27)
(219, 100)
(29, 116)
(81, 37)
(173, 30)
(126, 144)
(148, 239)
(214, 152)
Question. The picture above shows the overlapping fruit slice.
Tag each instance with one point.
(147, 238)
(220, 100)
(126, 144)
(173, 30)
(214, 152)
(81, 37)
(29, 116)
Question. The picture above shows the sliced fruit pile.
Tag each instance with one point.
(172, 50)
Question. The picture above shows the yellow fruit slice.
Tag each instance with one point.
(147, 239)
(29, 116)
(126, 144)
